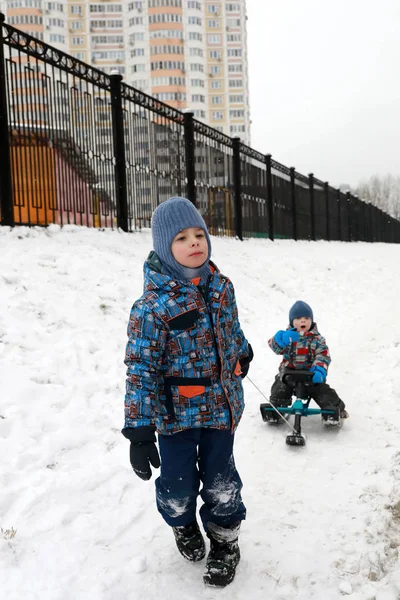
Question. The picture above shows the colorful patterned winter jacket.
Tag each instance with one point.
(183, 352)
(310, 351)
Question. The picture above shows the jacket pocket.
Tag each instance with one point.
(188, 387)
(184, 321)
(189, 391)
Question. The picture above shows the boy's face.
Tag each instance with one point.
(189, 247)
(302, 324)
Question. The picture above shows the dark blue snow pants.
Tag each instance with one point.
(188, 458)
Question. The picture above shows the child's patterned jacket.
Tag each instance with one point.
(183, 352)
(309, 351)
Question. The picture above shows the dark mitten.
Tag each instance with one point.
(245, 362)
(143, 450)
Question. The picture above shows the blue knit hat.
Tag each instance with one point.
(300, 309)
(169, 218)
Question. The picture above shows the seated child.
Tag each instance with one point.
(303, 347)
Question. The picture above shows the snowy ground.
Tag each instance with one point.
(322, 521)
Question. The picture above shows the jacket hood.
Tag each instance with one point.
(313, 330)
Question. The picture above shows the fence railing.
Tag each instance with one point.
(80, 146)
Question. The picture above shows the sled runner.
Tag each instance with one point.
(299, 380)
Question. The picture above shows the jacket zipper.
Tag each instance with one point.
(216, 343)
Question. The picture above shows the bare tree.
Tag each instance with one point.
(383, 192)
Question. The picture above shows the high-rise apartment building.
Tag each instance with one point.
(187, 53)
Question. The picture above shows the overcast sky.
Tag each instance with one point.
(325, 85)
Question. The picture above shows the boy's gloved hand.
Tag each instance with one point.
(319, 374)
(245, 363)
(284, 338)
(143, 450)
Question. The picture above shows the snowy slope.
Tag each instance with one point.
(322, 521)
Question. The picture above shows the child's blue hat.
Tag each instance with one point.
(169, 218)
(300, 309)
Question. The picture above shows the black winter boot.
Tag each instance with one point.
(273, 416)
(332, 420)
(190, 542)
(224, 555)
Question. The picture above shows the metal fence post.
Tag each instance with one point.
(328, 225)
(119, 150)
(188, 127)
(356, 218)
(339, 199)
(312, 207)
(349, 216)
(293, 198)
(6, 193)
(270, 200)
(370, 223)
(237, 186)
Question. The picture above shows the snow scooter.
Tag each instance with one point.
(299, 380)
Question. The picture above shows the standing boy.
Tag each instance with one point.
(186, 356)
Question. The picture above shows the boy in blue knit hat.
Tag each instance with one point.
(303, 347)
(186, 357)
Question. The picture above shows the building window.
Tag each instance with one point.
(235, 68)
(165, 18)
(193, 35)
(105, 8)
(168, 64)
(167, 50)
(135, 21)
(234, 52)
(236, 99)
(108, 39)
(238, 128)
(194, 21)
(195, 52)
(236, 114)
(233, 23)
(158, 3)
(236, 83)
(56, 37)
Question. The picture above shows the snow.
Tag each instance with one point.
(323, 521)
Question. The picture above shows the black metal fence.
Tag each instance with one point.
(79, 146)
